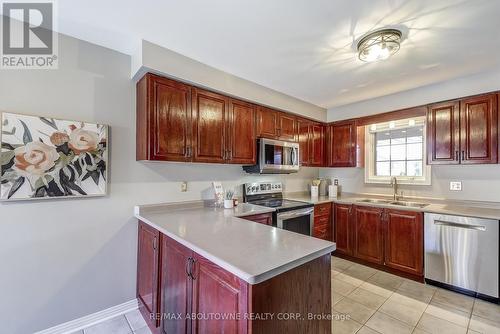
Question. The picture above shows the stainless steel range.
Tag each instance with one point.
(290, 215)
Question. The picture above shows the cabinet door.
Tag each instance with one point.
(209, 126)
(443, 133)
(267, 123)
(176, 287)
(241, 133)
(342, 144)
(304, 126)
(216, 291)
(147, 269)
(317, 145)
(479, 130)
(265, 218)
(287, 127)
(368, 234)
(170, 117)
(404, 241)
(342, 228)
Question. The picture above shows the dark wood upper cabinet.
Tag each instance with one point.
(209, 126)
(216, 291)
(267, 123)
(163, 119)
(241, 133)
(342, 144)
(404, 241)
(443, 133)
(304, 126)
(479, 130)
(287, 127)
(311, 137)
(368, 234)
(343, 227)
(147, 269)
(463, 131)
(275, 124)
(317, 145)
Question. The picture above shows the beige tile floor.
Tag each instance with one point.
(368, 301)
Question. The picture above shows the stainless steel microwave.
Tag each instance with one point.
(275, 157)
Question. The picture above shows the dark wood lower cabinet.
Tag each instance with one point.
(183, 292)
(387, 239)
(323, 228)
(218, 299)
(368, 234)
(404, 241)
(264, 218)
(147, 270)
(176, 287)
(343, 226)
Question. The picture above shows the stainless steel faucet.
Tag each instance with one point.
(394, 184)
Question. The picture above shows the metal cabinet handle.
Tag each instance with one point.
(459, 225)
(188, 267)
(193, 268)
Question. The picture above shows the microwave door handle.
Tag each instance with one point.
(293, 157)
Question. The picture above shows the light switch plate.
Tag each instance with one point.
(184, 186)
(455, 186)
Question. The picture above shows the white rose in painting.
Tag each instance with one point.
(81, 140)
(35, 158)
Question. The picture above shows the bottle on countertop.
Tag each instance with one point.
(334, 189)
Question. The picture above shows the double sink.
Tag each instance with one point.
(396, 203)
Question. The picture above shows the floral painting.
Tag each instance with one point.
(49, 158)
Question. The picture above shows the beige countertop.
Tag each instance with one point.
(459, 208)
(254, 252)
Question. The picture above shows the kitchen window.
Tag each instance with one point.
(397, 149)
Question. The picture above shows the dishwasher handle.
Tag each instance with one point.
(459, 225)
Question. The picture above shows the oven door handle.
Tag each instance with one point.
(295, 213)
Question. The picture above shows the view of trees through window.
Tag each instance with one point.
(399, 152)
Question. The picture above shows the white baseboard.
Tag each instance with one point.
(92, 319)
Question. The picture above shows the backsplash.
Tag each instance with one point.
(199, 178)
(479, 183)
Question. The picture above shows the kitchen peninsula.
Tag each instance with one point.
(214, 270)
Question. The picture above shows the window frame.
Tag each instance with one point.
(370, 164)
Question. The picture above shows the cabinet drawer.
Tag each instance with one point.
(322, 227)
(323, 209)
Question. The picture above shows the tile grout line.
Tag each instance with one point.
(426, 307)
(129, 324)
(471, 313)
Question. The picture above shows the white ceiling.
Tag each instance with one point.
(303, 48)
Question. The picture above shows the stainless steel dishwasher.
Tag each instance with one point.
(463, 253)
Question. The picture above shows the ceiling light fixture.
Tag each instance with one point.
(379, 45)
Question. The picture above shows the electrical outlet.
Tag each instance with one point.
(455, 186)
(336, 182)
(184, 186)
